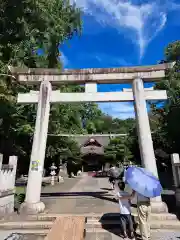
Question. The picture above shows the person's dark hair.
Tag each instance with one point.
(110, 166)
(121, 186)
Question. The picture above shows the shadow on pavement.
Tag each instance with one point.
(64, 194)
(104, 195)
(115, 226)
(170, 200)
(107, 189)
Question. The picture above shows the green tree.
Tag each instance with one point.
(167, 132)
(62, 148)
(133, 145)
(118, 151)
(26, 27)
(164, 116)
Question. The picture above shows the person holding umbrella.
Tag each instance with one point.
(144, 213)
(147, 186)
(125, 210)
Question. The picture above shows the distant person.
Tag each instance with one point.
(124, 172)
(119, 178)
(144, 212)
(125, 211)
(111, 177)
(111, 181)
(116, 174)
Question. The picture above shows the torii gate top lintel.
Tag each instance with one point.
(97, 75)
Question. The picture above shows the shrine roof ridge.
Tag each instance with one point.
(49, 71)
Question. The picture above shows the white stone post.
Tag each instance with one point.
(53, 173)
(175, 168)
(52, 178)
(145, 139)
(32, 204)
(13, 162)
(1, 161)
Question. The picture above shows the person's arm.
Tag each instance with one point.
(126, 197)
(133, 193)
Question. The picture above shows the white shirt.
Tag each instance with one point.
(116, 187)
(141, 198)
(124, 204)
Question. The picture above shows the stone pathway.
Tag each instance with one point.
(155, 236)
(91, 236)
(5, 234)
(53, 196)
(80, 195)
(166, 235)
(86, 195)
(17, 236)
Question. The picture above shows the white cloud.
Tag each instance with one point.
(173, 6)
(104, 58)
(100, 57)
(64, 60)
(122, 110)
(140, 23)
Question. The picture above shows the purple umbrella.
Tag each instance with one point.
(143, 182)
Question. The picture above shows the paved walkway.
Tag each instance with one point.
(91, 236)
(158, 235)
(80, 195)
(88, 195)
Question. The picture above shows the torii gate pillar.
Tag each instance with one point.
(32, 204)
(145, 140)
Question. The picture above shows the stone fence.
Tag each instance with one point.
(7, 185)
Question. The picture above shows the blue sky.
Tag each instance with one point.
(120, 33)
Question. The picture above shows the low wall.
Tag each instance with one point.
(6, 203)
(7, 185)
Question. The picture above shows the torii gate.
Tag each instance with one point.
(90, 77)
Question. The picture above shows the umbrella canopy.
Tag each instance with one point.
(143, 182)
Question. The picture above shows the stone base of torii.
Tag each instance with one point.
(45, 96)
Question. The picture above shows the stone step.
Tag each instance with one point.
(116, 230)
(98, 217)
(106, 235)
(114, 217)
(167, 224)
(42, 232)
(26, 225)
(114, 235)
(95, 234)
(21, 236)
(160, 217)
(91, 224)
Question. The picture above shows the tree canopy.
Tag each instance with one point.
(164, 116)
(26, 29)
(31, 36)
(168, 115)
(118, 151)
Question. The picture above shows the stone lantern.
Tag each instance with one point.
(53, 173)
